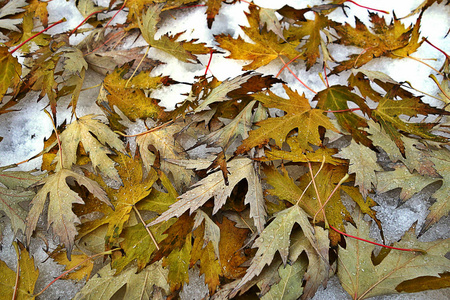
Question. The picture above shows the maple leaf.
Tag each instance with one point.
(387, 40)
(11, 71)
(312, 29)
(27, 32)
(362, 279)
(232, 254)
(163, 140)
(298, 154)
(268, 18)
(105, 284)
(275, 238)
(219, 93)
(94, 135)
(335, 98)
(183, 50)
(226, 135)
(441, 207)
(9, 9)
(214, 186)
(415, 156)
(299, 115)
(28, 276)
(213, 7)
(130, 96)
(138, 245)
(387, 114)
(288, 288)
(410, 183)
(135, 188)
(363, 162)
(286, 189)
(15, 193)
(211, 230)
(178, 262)
(318, 270)
(78, 260)
(266, 46)
(204, 251)
(40, 10)
(60, 216)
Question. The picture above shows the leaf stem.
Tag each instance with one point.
(209, 61)
(120, 9)
(296, 76)
(322, 208)
(318, 195)
(148, 229)
(369, 8)
(140, 62)
(32, 37)
(73, 268)
(343, 110)
(435, 47)
(148, 131)
(378, 244)
(309, 184)
(84, 21)
(16, 284)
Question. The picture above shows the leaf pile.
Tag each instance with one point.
(261, 209)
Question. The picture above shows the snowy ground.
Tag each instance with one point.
(25, 130)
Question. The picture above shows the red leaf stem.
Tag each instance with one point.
(120, 9)
(84, 21)
(209, 61)
(30, 38)
(296, 77)
(369, 8)
(374, 243)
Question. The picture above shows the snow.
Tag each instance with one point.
(24, 131)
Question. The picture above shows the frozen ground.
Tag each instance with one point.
(25, 130)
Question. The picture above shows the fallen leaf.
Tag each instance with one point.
(94, 136)
(362, 279)
(299, 115)
(214, 186)
(60, 216)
